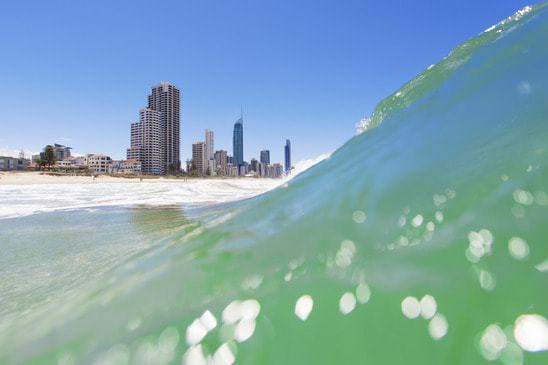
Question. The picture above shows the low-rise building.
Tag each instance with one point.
(130, 167)
(8, 163)
(97, 162)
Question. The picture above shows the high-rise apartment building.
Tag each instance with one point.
(238, 142)
(221, 161)
(210, 144)
(287, 150)
(145, 145)
(165, 98)
(265, 157)
(155, 138)
(199, 161)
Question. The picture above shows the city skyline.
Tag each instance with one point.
(304, 75)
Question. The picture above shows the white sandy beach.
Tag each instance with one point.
(36, 178)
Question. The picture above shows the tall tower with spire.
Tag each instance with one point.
(238, 141)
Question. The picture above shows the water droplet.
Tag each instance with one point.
(195, 333)
(428, 306)
(363, 293)
(250, 309)
(358, 216)
(288, 276)
(194, 356)
(347, 303)
(223, 355)
(303, 307)
(519, 249)
(439, 216)
(417, 220)
(438, 326)
(410, 307)
(523, 197)
(244, 330)
(232, 312)
(531, 332)
(487, 280)
(208, 320)
(493, 341)
(344, 255)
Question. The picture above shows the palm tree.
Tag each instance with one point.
(49, 155)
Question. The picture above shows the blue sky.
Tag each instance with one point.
(77, 71)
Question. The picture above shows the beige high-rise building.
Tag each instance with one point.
(221, 160)
(165, 98)
(199, 161)
(210, 143)
(146, 142)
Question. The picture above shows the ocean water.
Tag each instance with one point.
(422, 240)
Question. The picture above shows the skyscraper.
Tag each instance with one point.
(238, 142)
(199, 161)
(287, 155)
(221, 161)
(265, 157)
(145, 145)
(209, 143)
(165, 98)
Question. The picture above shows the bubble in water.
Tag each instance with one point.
(519, 249)
(487, 280)
(232, 312)
(288, 276)
(344, 255)
(439, 199)
(208, 320)
(244, 330)
(363, 293)
(252, 282)
(512, 355)
(347, 303)
(523, 197)
(417, 220)
(438, 326)
(543, 266)
(358, 216)
(303, 307)
(223, 355)
(531, 332)
(168, 340)
(250, 309)
(493, 341)
(195, 332)
(410, 307)
(479, 244)
(430, 226)
(428, 306)
(194, 356)
(439, 216)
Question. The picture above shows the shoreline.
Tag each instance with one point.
(41, 177)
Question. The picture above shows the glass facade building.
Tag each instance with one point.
(287, 155)
(238, 142)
